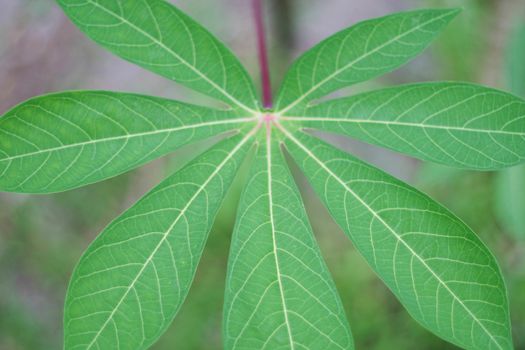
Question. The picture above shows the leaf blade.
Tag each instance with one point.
(335, 63)
(454, 288)
(62, 141)
(279, 292)
(133, 278)
(159, 37)
(455, 124)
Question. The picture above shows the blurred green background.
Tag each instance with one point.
(42, 237)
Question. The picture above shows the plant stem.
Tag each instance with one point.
(263, 54)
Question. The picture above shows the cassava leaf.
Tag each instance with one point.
(133, 278)
(157, 36)
(440, 271)
(62, 141)
(364, 51)
(279, 294)
(456, 124)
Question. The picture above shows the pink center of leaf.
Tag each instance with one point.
(268, 118)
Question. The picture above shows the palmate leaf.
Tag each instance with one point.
(279, 294)
(456, 124)
(159, 37)
(133, 278)
(437, 267)
(57, 142)
(361, 52)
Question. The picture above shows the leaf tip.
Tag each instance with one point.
(454, 11)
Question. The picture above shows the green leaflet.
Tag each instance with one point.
(159, 37)
(362, 52)
(58, 142)
(437, 267)
(279, 293)
(133, 278)
(456, 124)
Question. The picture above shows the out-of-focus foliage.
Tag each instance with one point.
(464, 41)
(515, 58)
(510, 188)
(510, 183)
